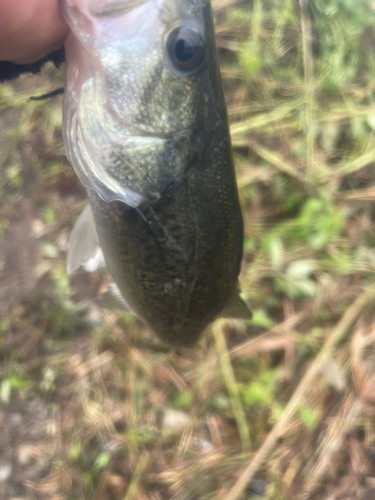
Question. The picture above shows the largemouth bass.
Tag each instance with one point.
(146, 129)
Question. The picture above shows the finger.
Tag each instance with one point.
(30, 29)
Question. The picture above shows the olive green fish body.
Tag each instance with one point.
(177, 261)
(146, 129)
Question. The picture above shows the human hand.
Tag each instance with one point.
(30, 29)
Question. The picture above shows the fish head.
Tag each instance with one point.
(143, 89)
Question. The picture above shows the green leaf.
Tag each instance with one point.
(260, 391)
(301, 269)
(371, 121)
(260, 318)
(255, 394)
(5, 391)
(18, 383)
(249, 60)
(308, 416)
(295, 288)
(49, 215)
(14, 174)
(49, 250)
(273, 245)
(4, 326)
(75, 451)
(102, 461)
(329, 135)
(183, 400)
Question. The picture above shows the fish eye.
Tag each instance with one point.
(186, 49)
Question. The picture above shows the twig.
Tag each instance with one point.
(337, 334)
(358, 162)
(252, 345)
(335, 434)
(275, 160)
(309, 85)
(367, 194)
(230, 382)
(141, 466)
(222, 5)
(262, 120)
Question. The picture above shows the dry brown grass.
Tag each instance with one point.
(91, 408)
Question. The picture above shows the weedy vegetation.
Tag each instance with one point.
(281, 407)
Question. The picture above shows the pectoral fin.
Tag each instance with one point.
(84, 249)
(113, 300)
(237, 308)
